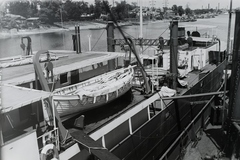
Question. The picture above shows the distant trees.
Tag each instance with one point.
(98, 8)
(49, 12)
(175, 9)
(121, 10)
(32, 10)
(188, 11)
(180, 10)
(202, 11)
(20, 8)
(72, 10)
(52, 11)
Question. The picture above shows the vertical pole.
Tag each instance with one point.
(141, 28)
(235, 85)
(234, 101)
(1, 135)
(36, 81)
(79, 40)
(130, 126)
(229, 26)
(76, 40)
(174, 52)
(141, 20)
(110, 35)
(153, 77)
(53, 108)
(226, 60)
(89, 43)
(63, 34)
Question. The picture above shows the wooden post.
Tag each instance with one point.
(76, 41)
(174, 52)
(110, 35)
(79, 41)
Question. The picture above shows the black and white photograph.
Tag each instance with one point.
(119, 79)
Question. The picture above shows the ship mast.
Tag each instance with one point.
(226, 61)
(141, 21)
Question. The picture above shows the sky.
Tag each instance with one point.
(193, 4)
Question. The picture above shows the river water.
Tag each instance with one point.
(63, 40)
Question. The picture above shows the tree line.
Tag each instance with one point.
(53, 11)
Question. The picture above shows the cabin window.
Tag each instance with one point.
(104, 63)
(87, 68)
(147, 62)
(116, 62)
(95, 66)
(38, 84)
(26, 85)
(31, 85)
(74, 77)
(99, 65)
(25, 112)
(80, 70)
(160, 61)
(63, 78)
(111, 64)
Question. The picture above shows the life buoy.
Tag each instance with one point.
(46, 149)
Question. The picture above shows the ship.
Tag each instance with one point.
(150, 127)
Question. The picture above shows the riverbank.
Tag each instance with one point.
(67, 26)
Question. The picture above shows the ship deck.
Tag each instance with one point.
(208, 145)
(95, 119)
(69, 61)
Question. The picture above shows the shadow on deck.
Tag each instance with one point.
(209, 146)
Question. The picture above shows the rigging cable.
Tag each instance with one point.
(129, 35)
(97, 40)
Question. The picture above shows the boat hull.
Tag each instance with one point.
(71, 105)
(139, 133)
(167, 127)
